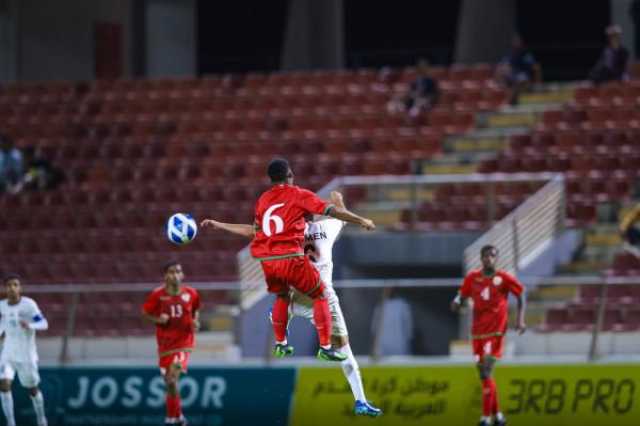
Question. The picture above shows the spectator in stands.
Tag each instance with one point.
(518, 70)
(630, 230)
(393, 321)
(422, 96)
(614, 59)
(11, 164)
(39, 173)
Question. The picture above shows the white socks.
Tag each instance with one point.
(352, 373)
(38, 407)
(7, 407)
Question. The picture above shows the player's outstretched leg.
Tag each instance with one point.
(38, 405)
(322, 321)
(351, 371)
(280, 321)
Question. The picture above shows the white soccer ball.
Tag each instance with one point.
(181, 228)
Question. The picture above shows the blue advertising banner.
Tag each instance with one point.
(135, 396)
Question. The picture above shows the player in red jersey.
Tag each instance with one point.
(489, 289)
(278, 245)
(174, 309)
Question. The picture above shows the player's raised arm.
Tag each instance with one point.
(311, 203)
(337, 199)
(343, 214)
(241, 229)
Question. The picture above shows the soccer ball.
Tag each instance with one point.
(181, 228)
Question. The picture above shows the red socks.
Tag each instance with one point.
(279, 318)
(322, 320)
(174, 410)
(495, 407)
(489, 397)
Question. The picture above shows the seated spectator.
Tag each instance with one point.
(630, 231)
(518, 69)
(422, 95)
(39, 173)
(11, 164)
(613, 61)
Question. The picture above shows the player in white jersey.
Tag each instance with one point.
(320, 237)
(19, 321)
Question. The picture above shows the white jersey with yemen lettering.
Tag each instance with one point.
(20, 344)
(322, 235)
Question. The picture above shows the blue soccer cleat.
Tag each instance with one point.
(364, 408)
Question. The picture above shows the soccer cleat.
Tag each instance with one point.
(500, 422)
(280, 351)
(484, 423)
(364, 408)
(330, 355)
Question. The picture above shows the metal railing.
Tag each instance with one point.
(252, 280)
(426, 298)
(525, 232)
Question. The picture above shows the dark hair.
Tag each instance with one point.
(278, 169)
(169, 264)
(485, 249)
(10, 277)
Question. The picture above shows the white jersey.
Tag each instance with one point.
(322, 235)
(20, 344)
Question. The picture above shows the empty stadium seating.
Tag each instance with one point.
(622, 312)
(134, 151)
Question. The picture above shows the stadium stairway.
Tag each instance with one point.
(492, 133)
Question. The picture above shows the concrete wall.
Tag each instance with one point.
(314, 37)
(8, 44)
(620, 16)
(56, 39)
(171, 38)
(484, 30)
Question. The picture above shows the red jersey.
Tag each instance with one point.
(490, 297)
(178, 333)
(279, 220)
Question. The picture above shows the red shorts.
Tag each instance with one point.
(296, 272)
(179, 358)
(488, 346)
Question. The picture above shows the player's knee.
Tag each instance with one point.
(5, 386)
(339, 341)
(34, 391)
(171, 378)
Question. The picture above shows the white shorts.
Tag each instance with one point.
(302, 306)
(27, 373)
